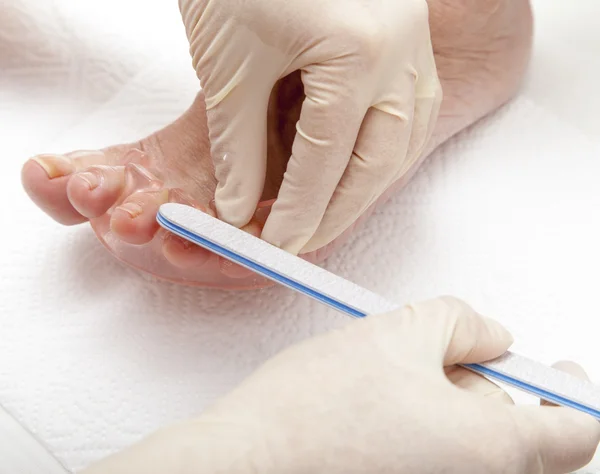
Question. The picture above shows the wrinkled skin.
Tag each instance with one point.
(481, 48)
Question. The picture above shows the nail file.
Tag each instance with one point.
(21, 453)
(271, 262)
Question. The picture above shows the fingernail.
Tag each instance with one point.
(131, 208)
(55, 166)
(90, 178)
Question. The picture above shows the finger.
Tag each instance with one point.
(237, 72)
(427, 106)
(326, 133)
(428, 100)
(237, 126)
(557, 440)
(460, 335)
(570, 368)
(379, 153)
(474, 383)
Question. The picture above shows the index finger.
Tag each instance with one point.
(329, 123)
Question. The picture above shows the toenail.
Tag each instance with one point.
(86, 154)
(55, 166)
(131, 208)
(90, 178)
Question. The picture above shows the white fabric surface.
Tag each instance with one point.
(93, 356)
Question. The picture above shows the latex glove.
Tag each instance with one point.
(374, 398)
(372, 98)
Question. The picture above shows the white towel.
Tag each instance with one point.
(93, 356)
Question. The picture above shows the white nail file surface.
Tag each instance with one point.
(273, 263)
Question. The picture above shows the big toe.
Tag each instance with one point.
(134, 221)
(45, 179)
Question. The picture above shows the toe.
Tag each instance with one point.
(95, 190)
(180, 252)
(184, 254)
(233, 270)
(134, 221)
(45, 180)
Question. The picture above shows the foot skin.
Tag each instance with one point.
(481, 52)
(119, 190)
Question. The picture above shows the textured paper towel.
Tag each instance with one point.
(93, 356)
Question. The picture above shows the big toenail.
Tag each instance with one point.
(90, 178)
(55, 166)
(131, 208)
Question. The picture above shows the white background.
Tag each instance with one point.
(93, 356)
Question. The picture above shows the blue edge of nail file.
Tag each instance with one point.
(271, 262)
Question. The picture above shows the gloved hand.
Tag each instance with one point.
(372, 99)
(372, 398)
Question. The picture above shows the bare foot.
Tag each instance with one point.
(481, 47)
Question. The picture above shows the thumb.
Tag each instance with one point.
(457, 333)
(230, 65)
(237, 74)
(237, 126)
(557, 440)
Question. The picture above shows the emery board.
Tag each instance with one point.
(286, 269)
